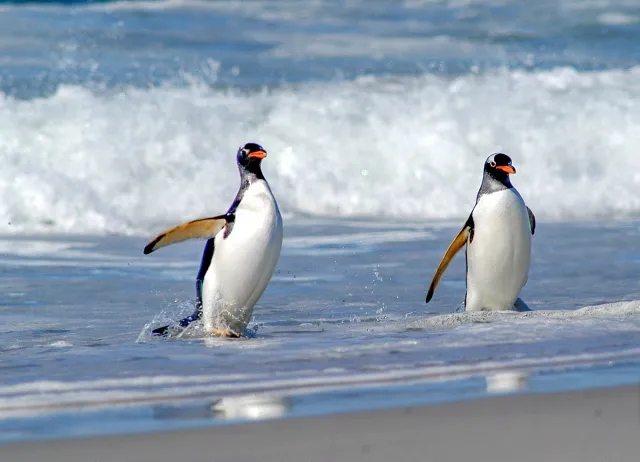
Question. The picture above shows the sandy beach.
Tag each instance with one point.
(581, 426)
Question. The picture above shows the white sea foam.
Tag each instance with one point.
(613, 18)
(610, 310)
(138, 159)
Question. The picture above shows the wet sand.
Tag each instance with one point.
(582, 426)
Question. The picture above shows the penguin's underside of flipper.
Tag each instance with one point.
(203, 228)
(465, 235)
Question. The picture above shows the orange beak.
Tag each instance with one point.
(258, 154)
(506, 168)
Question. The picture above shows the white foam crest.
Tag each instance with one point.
(613, 18)
(135, 160)
(609, 310)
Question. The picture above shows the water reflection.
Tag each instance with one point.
(247, 407)
(252, 407)
(507, 381)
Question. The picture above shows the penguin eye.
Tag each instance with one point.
(492, 163)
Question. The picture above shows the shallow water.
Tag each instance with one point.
(343, 325)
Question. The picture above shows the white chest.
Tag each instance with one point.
(501, 214)
(499, 255)
(256, 235)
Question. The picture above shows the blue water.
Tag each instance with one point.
(270, 43)
(118, 119)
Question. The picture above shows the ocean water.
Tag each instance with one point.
(118, 119)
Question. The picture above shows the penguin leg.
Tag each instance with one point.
(520, 305)
(207, 256)
(204, 228)
(459, 241)
(223, 333)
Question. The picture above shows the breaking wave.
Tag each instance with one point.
(128, 160)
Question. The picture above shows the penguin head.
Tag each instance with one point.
(251, 153)
(499, 166)
(250, 156)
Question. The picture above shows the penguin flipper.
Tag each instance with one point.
(204, 228)
(459, 241)
(532, 220)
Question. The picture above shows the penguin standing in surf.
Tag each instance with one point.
(498, 237)
(242, 250)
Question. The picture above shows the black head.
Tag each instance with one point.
(499, 166)
(250, 154)
(249, 158)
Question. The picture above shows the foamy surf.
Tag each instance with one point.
(136, 160)
(609, 310)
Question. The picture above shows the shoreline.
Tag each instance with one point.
(581, 426)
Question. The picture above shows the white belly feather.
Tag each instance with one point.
(499, 256)
(244, 262)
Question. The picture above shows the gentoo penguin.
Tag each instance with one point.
(243, 247)
(498, 237)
